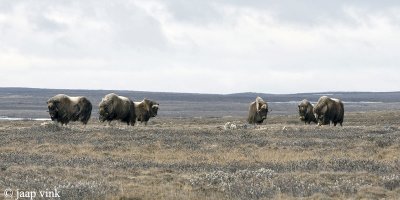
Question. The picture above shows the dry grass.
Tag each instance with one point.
(197, 159)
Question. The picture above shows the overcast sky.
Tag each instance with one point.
(202, 46)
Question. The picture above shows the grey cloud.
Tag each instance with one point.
(134, 28)
(126, 28)
(44, 24)
(194, 11)
(305, 12)
(119, 38)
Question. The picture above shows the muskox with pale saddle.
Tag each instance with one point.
(329, 110)
(258, 111)
(145, 110)
(306, 112)
(63, 109)
(114, 107)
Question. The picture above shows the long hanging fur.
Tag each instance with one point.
(114, 107)
(145, 110)
(306, 112)
(258, 111)
(329, 110)
(63, 109)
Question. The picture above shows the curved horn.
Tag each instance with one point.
(258, 99)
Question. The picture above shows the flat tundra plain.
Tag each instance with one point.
(197, 158)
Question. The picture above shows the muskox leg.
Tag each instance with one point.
(133, 123)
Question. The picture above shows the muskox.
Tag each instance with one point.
(329, 110)
(306, 112)
(64, 109)
(258, 111)
(114, 107)
(145, 110)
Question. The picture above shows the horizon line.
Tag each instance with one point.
(200, 93)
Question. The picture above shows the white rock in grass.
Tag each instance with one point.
(230, 126)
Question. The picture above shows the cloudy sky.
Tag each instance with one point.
(202, 46)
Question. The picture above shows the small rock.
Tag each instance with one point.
(230, 126)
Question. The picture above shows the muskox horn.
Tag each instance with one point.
(258, 99)
(264, 106)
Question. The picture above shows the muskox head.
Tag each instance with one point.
(302, 112)
(305, 108)
(53, 109)
(154, 109)
(102, 113)
(151, 107)
(103, 108)
(319, 115)
(306, 114)
(262, 110)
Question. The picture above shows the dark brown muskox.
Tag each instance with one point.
(145, 110)
(306, 112)
(64, 109)
(329, 110)
(114, 107)
(258, 111)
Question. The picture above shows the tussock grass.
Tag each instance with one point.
(195, 158)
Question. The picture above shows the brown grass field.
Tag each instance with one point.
(196, 158)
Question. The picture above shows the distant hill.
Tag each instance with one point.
(30, 102)
(237, 97)
(345, 96)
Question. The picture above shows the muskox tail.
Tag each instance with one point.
(86, 111)
(132, 114)
(341, 116)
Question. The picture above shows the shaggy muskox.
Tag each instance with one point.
(145, 110)
(258, 111)
(306, 112)
(114, 107)
(64, 109)
(329, 110)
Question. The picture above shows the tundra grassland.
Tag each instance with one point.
(196, 158)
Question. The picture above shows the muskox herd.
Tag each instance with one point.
(326, 111)
(63, 109)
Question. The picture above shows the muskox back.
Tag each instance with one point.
(329, 110)
(145, 110)
(258, 111)
(114, 107)
(63, 109)
(306, 112)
